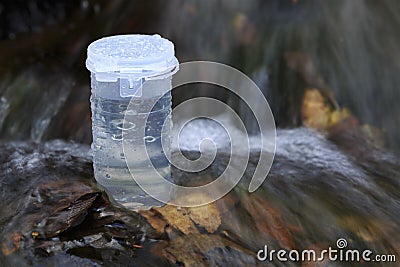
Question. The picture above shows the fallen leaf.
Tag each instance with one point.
(155, 219)
(184, 219)
(338, 116)
(317, 114)
(206, 216)
(314, 111)
(177, 218)
(67, 217)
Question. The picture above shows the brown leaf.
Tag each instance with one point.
(177, 218)
(206, 216)
(184, 219)
(155, 219)
(67, 217)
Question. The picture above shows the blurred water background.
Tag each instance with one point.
(347, 47)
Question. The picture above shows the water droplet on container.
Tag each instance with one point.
(108, 176)
(131, 112)
(116, 137)
(127, 126)
(149, 139)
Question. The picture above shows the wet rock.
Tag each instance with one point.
(54, 213)
(54, 209)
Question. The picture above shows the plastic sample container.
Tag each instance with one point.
(134, 71)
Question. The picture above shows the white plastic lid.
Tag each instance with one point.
(132, 56)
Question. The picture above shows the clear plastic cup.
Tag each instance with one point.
(134, 70)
